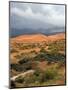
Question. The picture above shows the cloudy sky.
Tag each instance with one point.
(32, 17)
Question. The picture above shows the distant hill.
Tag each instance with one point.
(38, 38)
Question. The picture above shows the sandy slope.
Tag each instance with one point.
(38, 38)
(57, 37)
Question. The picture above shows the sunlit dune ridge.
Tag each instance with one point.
(38, 38)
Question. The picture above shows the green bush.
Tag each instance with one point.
(17, 67)
(49, 74)
(57, 46)
(38, 76)
(28, 80)
(52, 57)
(42, 50)
(22, 67)
(24, 60)
(20, 79)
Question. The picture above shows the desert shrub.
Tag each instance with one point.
(33, 52)
(22, 67)
(61, 64)
(33, 46)
(13, 50)
(43, 76)
(17, 56)
(17, 67)
(28, 63)
(58, 57)
(37, 71)
(42, 50)
(57, 46)
(20, 79)
(28, 80)
(52, 57)
(38, 76)
(25, 64)
(49, 74)
(40, 57)
(43, 56)
(24, 60)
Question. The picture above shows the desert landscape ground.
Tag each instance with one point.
(37, 60)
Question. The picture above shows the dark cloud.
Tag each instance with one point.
(37, 17)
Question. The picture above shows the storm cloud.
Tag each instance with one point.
(37, 17)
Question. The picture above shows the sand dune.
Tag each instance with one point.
(38, 38)
(57, 37)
